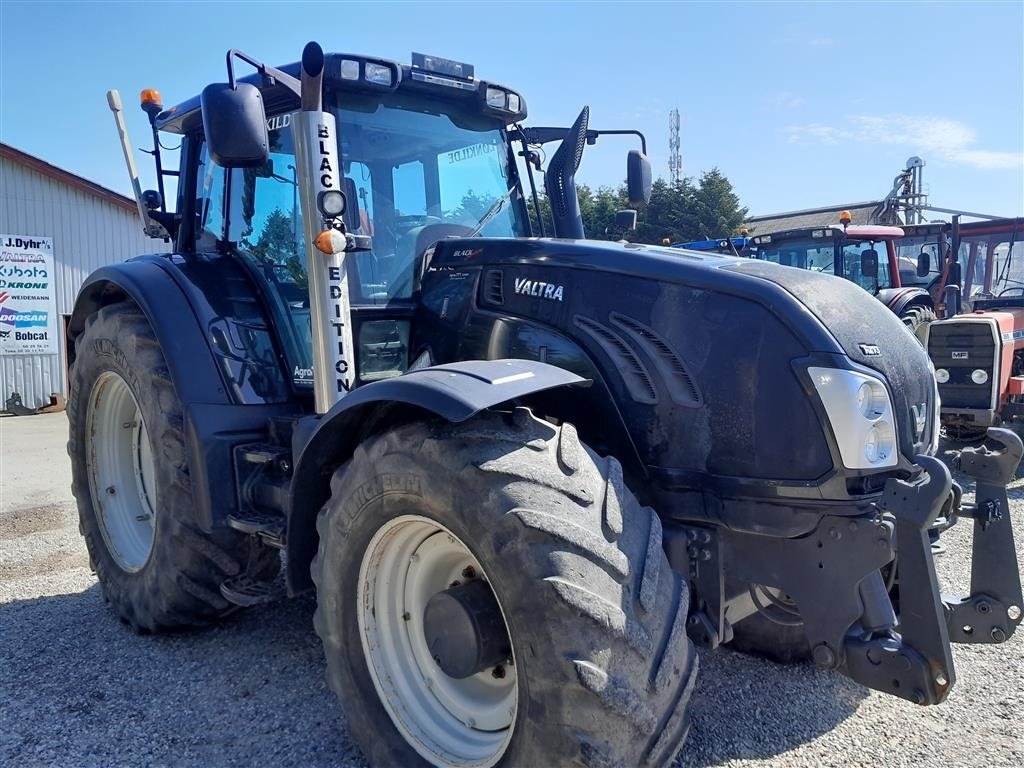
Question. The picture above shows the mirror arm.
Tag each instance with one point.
(593, 134)
(270, 75)
(537, 135)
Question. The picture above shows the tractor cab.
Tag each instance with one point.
(425, 152)
(863, 254)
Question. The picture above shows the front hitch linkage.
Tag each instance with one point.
(917, 664)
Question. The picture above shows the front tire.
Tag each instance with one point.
(131, 479)
(602, 669)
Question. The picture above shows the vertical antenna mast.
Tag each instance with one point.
(675, 155)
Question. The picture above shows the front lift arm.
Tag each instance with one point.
(834, 576)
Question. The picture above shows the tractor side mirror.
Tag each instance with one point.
(869, 264)
(235, 125)
(924, 264)
(638, 177)
(625, 219)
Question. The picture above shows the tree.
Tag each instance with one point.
(278, 245)
(717, 207)
(689, 210)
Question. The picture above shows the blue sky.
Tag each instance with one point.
(799, 104)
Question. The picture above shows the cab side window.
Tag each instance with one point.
(209, 209)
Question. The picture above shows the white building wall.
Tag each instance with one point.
(88, 232)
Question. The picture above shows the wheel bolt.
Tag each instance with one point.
(998, 635)
(455, 583)
(111, 490)
(469, 572)
(498, 672)
(1013, 612)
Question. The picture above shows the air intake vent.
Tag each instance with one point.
(494, 286)
(681, 386)
(634, 373)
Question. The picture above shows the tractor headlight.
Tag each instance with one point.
(941, 375)
(860, 412)
(979, 376)
(496, 98)
(378, 74)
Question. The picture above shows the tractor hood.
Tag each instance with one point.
(704, 354)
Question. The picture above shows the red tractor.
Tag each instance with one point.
(979, 355)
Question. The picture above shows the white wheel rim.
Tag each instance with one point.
(449, 722)
(122, 473)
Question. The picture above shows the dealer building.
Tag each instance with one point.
(55, 229)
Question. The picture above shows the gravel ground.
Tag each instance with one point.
(78, 688)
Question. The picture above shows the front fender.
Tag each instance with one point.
(453, 391)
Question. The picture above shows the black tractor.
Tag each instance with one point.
(523, 475)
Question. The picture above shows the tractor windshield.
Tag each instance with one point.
(421, 174)
(907, 251)
(417, 170)
(813, 253)
(414, 174)
(853, 261)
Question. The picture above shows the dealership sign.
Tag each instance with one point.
(28, 301)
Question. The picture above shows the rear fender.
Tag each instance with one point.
(454, 392)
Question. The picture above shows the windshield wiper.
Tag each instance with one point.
(493, 211)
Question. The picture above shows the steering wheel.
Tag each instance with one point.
(422, 238)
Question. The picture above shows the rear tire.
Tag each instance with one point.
(603, 666)
(130, 476)
(917, 319)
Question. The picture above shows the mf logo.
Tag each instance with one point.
(920, 412)
(960, 355)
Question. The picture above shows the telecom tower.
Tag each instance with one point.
(675, 155)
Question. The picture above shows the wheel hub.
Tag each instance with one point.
(465, 631)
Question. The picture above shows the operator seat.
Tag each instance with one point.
(413, 245)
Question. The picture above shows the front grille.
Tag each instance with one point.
(947, 342)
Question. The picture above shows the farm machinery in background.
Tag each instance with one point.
(726, 246)
(979, 354)
(863, 254)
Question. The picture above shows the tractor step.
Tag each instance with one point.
(245, 591)
(270, 528)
